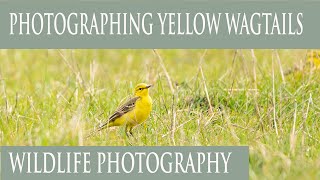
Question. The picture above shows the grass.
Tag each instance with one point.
(201, 98)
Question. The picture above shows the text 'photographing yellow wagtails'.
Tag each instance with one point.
(133, 112)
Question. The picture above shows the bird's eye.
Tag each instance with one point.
(140, 88)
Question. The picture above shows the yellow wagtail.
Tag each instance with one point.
(133, 112)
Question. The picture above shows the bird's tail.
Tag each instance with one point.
(94, 131)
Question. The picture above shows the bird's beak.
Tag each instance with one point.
(149, 86)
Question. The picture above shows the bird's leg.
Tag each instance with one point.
(128, 134)
(127, 131)
(132, 134)
(130, 131)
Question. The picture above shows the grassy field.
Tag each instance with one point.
(269, 100)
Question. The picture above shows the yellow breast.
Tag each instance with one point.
(141, 111)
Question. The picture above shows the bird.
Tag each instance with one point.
(133, 112)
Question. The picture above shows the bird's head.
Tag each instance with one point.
(142, 89)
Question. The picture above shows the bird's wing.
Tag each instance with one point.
(123, 109)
